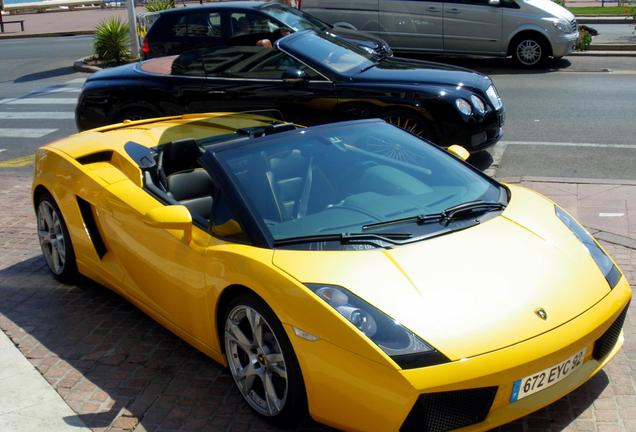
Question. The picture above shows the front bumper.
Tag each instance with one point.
(564, 44)
(352, 393)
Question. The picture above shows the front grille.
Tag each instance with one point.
(438, 412)
(605, 343)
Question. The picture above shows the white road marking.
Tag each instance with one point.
(569, 144)
(24, 133)
(56, 90)
(611, 214)
(76, 81)
(3, 150)
(3, 101)
(41, 115)
(496, 153)
(42, 101)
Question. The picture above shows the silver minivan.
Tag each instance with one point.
(529, 30)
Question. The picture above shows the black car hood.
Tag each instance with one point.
(422, 72)
(358, 38)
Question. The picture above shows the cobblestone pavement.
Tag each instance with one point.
(119, 370)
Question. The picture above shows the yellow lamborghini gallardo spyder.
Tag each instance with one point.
(349, 270)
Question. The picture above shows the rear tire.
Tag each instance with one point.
(262, 361)
(55, 240)
(530, 51)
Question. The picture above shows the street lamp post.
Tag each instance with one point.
(132, 23)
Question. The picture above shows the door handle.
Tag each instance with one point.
(432, 9)
(453, 11)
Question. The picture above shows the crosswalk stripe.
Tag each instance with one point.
(56, 90)
(42, 115)
(18, 162)
(42, 101)
(24, 133)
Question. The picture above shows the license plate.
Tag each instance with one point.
(547, 377)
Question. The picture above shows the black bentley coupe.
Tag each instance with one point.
(310, 78)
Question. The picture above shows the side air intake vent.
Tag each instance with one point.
(103, 156)
(605, 343)
(91, 227)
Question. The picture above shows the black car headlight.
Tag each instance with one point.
(604, 263)
(403, 346)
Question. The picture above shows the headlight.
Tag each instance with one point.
(493, 97)
(398, 342)
(563, 26)
(607, 267)
(463, 106)
(478, 104)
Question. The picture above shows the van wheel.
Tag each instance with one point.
(530, 51)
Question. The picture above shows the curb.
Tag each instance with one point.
(618, 182)
(593, 53)
(616, 19)
(53, 34)
(80, 66)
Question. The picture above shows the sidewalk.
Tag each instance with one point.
(117, 370)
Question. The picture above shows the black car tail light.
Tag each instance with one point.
(146, 47)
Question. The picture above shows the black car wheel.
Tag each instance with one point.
(262, 360)
(409, 122)
(55, 240)
(530, 51)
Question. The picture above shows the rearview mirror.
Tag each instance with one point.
(294, 76)
(176, 217)
(459, 152)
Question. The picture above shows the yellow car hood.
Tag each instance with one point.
(472, 291)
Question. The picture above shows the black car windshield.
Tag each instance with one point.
(294, 19)
(326, 50)
(341, 178)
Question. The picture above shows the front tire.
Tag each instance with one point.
(530, 51)
(262, 361)
(55, 240)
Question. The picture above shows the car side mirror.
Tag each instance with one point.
(172, 217)
(494, 2)
(294, 76)
(229, 228)
(459, 152)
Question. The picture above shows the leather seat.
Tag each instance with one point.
(195, 190)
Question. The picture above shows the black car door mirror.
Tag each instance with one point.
(294, 76)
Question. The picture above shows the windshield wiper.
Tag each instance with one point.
(392, 238)
(445, 216)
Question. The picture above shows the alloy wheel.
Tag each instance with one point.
(407, 123)
(529, 52)
(256, 360)
(51, 235)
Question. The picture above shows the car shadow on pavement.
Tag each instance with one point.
(494, 65)
(68, 70)
(113, 365)
(117, 368)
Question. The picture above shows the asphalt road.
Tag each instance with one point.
(576, 118)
